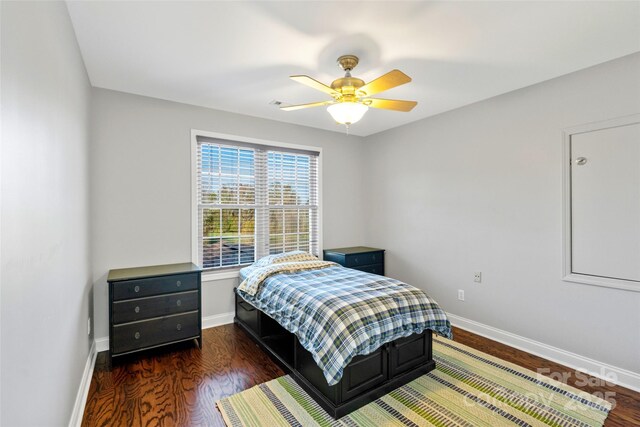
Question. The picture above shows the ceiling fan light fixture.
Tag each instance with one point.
(347, 113)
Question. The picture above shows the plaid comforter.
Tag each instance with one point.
(338, 313)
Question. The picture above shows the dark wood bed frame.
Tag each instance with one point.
(364, 380)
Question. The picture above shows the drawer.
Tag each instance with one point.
(128, 289)
(407, 353)
(145, 308)
(375, 269)
(147, 333)
(355, 260)
(364, 372)
(248, 314)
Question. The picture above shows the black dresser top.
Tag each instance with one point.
(353, 250)
(152, 271)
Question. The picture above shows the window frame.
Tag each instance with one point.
(232, 272)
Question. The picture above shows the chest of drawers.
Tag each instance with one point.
(361, 258)
(154, 306)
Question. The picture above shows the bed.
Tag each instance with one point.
(346, 336)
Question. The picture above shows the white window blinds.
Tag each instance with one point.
(254, 200)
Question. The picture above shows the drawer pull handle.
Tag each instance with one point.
(178, 326)
(374, 257)
(137, 309)
(178, 303)
(137, 335)
(178, 283)
(355, 259)
(136, 289)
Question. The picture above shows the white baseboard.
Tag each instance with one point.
(610, 373)
(102, 344)
(217, 320)
(83, 390)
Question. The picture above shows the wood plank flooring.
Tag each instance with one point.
(179, 386)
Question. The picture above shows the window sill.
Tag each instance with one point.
(214, 276)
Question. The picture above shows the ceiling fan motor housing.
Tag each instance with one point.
(347, 85)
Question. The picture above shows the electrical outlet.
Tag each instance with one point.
(89, 326)
(477, 277)
(461, 294)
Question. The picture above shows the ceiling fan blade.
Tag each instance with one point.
(313, 83)
(301, 106)
(385, 82)
(390, 104)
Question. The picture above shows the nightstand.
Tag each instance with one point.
(360, 258)
(153, 306)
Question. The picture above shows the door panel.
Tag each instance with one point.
(605, 202)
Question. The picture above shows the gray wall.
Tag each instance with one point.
(480, 189)
(45, 273)
(141, 180)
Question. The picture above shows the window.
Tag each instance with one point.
(253, 200)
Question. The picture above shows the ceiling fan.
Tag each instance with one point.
(351, 96)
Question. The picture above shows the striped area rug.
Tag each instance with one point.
(467, 388)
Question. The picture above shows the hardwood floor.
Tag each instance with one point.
(179, 386)
(626, 411)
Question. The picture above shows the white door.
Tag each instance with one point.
(605, 202)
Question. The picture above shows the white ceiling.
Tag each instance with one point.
(237, 56)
